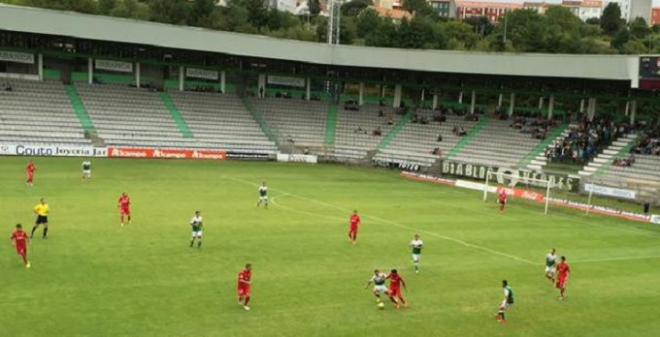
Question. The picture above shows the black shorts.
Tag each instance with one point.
(41, 219)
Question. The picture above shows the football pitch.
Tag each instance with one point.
(95, 278)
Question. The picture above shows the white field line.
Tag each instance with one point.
(448, 238)
(395, 224)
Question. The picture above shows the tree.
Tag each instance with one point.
(200, 12)
(639, 28)
(481, 25)
(106, 6)
(459, 34)
(383, 36)
(353, 8)
(314, 7)
(131, 9)
(418, 7)
(610, 21)
(169, 11)
(620, 38)
(367, 21)
(257, 12)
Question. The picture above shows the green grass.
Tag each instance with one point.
(93, 278)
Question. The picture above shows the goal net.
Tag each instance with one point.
(521, 187)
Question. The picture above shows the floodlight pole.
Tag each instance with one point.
(486, 185)
(334, 17)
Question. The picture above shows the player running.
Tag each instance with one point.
(196, 225)
(378, 281)
(86, 170)
(29, 171)
(244, 285)
(124, 208)
(502, 197)
(551, 265)
(563, 272)
(396, 296)
(263, 195)
(20, 240)
(41, 210)
(416, 244)
(507, 302)
(353, 230)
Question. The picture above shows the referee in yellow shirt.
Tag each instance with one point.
(41, 210)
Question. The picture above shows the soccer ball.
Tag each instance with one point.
(381, 305)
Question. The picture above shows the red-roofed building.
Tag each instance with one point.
(491, 10)
(655, 16)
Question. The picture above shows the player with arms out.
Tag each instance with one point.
(563, 272)
(244, 286)
(551, 265)
(197, 226)
(86, 170)
(416, 244)
(20, 240)
(263, 195)
(124, 205)
(507, 302)
(502, 198)
(29, 171)
(378, 280)
(41, 210)
(396, 282)
(353, 230)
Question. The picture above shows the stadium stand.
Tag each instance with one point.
(38, 112)
(602, 162)
(296, 122)
(423, 143)
(221, 121)
(360, 131)
(499, 145)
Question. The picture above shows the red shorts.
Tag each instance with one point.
(503, 201)
(244, 291)
(30, 177)
(354, 229)
(125, 211)
(561, 283)
(21, 249)
(395, 292)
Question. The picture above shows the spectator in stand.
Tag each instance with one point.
(439, 138)
(378, 131)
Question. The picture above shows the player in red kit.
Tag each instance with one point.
(20, 240)
(396, 282)
(563, 272)
(502, 198)
(244, 284)
(355, 223)
(124, 208)
(29, 170)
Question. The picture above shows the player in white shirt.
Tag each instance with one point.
(86, 170)
(551, 265)
(197, 225)
(416, 244)
(263, 195)
(378, 281)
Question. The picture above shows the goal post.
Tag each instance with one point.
(528, 188)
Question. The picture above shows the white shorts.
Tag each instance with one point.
(380, 289)
(263, 198)
(197, 234)
(550, 270)
(505, 305)
(87, 173)
(416, 257)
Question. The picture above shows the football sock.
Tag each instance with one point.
(192, 242)
(247, 300)
(199, 244)
(33, 229)
(45, 232)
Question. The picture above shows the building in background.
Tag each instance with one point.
(444, 8)
(655, 16)
(539, 7)
(590, 9)
(624, 5)
(491, 10)
(640, 9)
